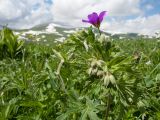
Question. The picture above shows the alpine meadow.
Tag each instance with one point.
(48, 72)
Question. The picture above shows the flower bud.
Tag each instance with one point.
(109, 78)
(93, 63)
(94, 71)
(106, 81)
(89, 71)
(100, 73)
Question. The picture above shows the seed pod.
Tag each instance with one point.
(140, 104)
(85, 45)
(89, 71)
(130, 100)
(99, 63)
(112, 79)
(93, 63)
(94, 71)
(100, 73)
(109, 78)
(101, 38)
(106, 81)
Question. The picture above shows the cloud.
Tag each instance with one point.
(122, 16)
(10, 10)
(72, 11)
(143, 25)
(24, 13)
(149, 6)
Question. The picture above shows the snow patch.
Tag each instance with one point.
(69, 31)
(60, 39)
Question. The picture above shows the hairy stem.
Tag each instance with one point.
(108, 106)
(99, 31)
(59, 75)
(59, 69)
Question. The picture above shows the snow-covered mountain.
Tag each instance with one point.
(46, 32)
(57, 33)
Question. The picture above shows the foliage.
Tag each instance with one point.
(9, 44)
(87, 77)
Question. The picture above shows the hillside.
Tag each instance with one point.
(47, 33)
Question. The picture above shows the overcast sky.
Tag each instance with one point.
(141, 16)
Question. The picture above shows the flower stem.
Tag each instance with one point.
(108, 106)
(99, 31)
(58, 72)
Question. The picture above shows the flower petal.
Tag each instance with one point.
(101, 16)
(85, 20)
(93, 18)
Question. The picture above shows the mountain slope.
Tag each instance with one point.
(46, 33)
(50, 33)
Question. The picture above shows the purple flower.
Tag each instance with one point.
(95, 19)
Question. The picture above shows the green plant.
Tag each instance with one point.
(87, 77)
(10, 46)
(102, 73)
